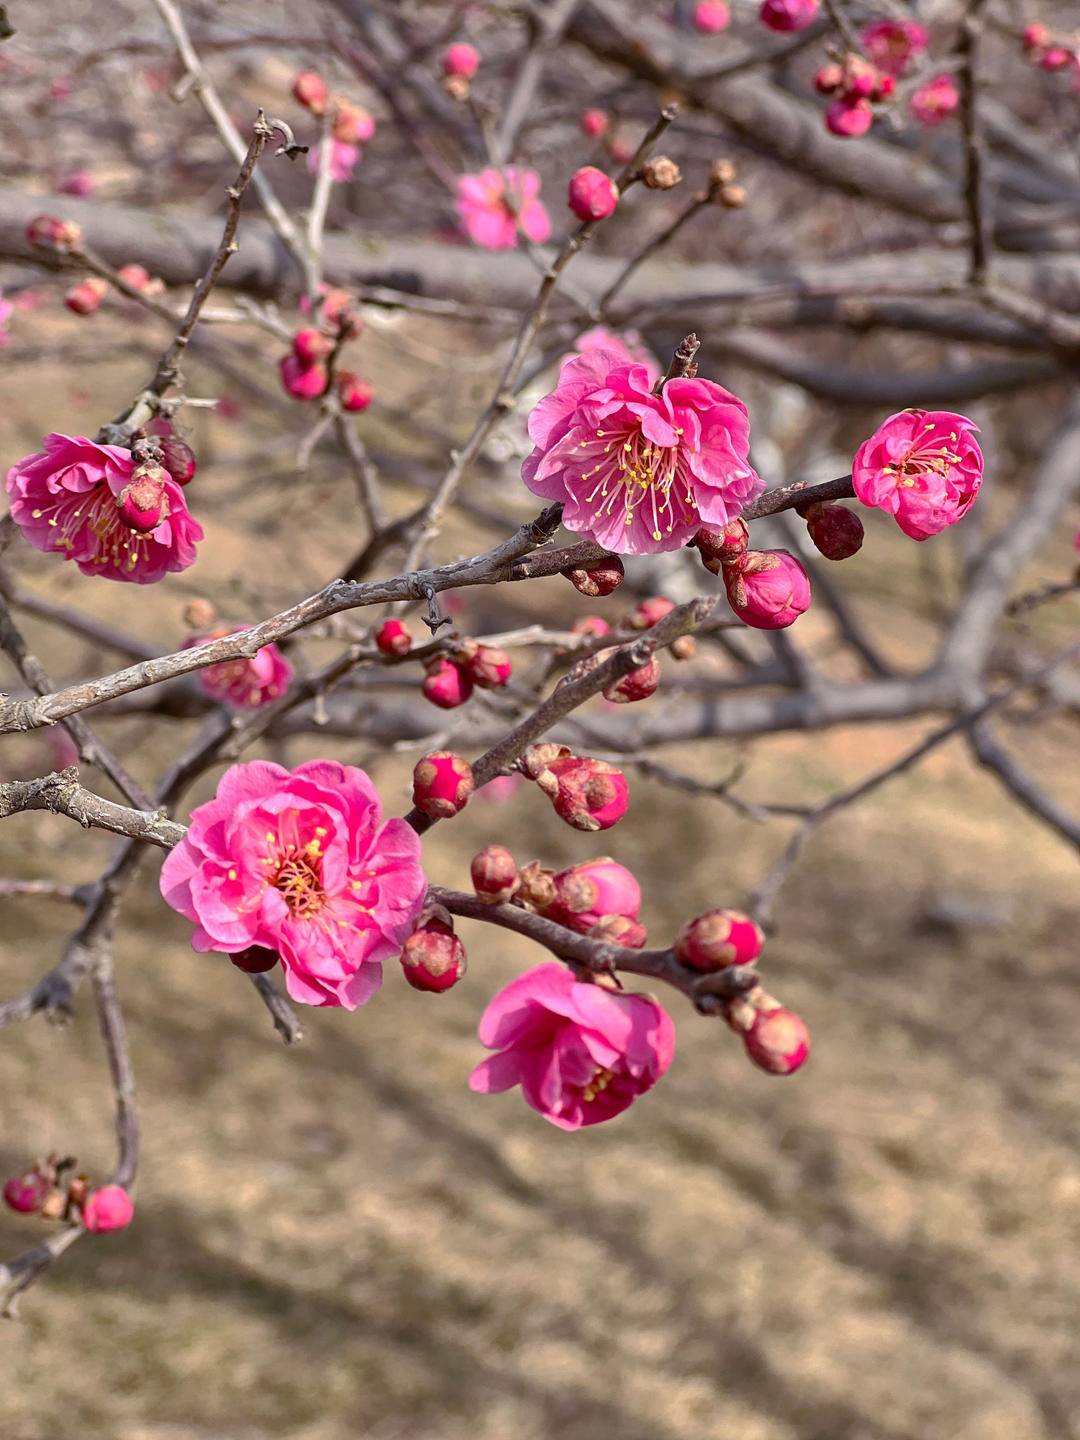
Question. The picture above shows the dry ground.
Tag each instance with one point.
(341, 1241)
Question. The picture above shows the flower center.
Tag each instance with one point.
(298, 876)
(923, 455)
(636, 472)
(599, 1082)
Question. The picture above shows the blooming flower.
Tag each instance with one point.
(493, 204)
(300, 862)
(639, 472)
(344, 159)
(244, 684)
(933, 103)
(66, 499)
(922, 466)
(894, 44)
(581, 1053)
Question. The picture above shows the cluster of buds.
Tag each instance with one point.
(776, 1040)
(450, 680)
(139, 278)
(1051, 51)
(836, 531)
(459, 65)
(767, 589)
(591, 194)
(722, 187)
(854, 84)
(588, 794)
(45, 1190)
(433, 958)
(599, 898)
(305, 371)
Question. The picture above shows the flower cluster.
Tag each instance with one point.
(94, 505)
(47, 1190)
(1051, 51)
(305, 371)
(350, 125)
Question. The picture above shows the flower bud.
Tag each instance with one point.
(593, 123)
(684, 648)
(733, 197)
(353, 125)
(849, 118)
(309, 90)
(311, 345)
(621, 151)
(199, 614)
(1056, 58)
(588, 794)
(461, 59)
(446, 685)
(339, 313)
(433, 958)
(778, 1041)
(109, 1208)
(302, 382)
(767, 589)
(53, 1205)
(536, 886)
(661, 173)
(488, 667)
(1035, 36)
(599, 579)
(26, 1193)
(722, 172)
(788, 16)
(720, 547)
(255, 960)
(592, 195)
(136, 276)
(86, 297)
(442, 784)
(860, 78)
(836, 531)
(829, 79)
(649, 612)
(457, 87)
(711, 16)
(620, 930)
(178, 458)
(717, 939)
(143, 503)
(49, 232)
(355, 394)
(585, 894)
(393, 638)
(494, 874)
(638, 684)
(592, 625)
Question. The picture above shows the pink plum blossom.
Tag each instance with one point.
(494, 203)
(581, 1053)
(244, 684)
(924, 467)
(66, 500)
(344, 159)
(936, 101)
(894, 44)
(639, 472)
(301, 863)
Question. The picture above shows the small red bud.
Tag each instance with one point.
(719, 938)
(592, 625)
(309, 89)
(592, 195)
(639, 684)
(488, 667)
(593, 123)
(620, 930)
(302, 382)
(778, 1041)
(836, 531)
(442, 784)
(355, 394)
(143, 503)
(446, 685)
(311, 345)
(829, 79)
(648, 612)
(393, 638)
(433, 957)
(588, 794)
(26, 1193)
(109, 1208)
(352, 123)
(461, 59)
(599, 579)
(1035, 36)
(767, 589)
(719, 547)
(178, 458)
(136, 276)
(50, 232)
(494, 874)
(684, 648)
(86, 297)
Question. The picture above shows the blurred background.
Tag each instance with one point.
(339, 1241)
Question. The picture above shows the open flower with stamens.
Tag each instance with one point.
(581, 1053)
(494, 204)
(639, 472)
(922, 466)
(67, 499)
(244, 684)
(300, 862)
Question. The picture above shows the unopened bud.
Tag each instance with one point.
(442, 784)
(433, 958)
(717, 939)
(52, 233)
(778, 1041)
(722, 172)
(86, 297)
(767, 589)
(494, 874)
(311, 345)
(648, 612)
(109, 1208)
(836, 531)
(732, 196)
(592, 195)
(393, 638)
(143, 503)
(720, 547)
(536, 886)
(620, 930)
(599, 579)
(593, 626)
(255, 960)
(178, 458)
(355, 394)
(446, 685)
(488, 666)
(461, 59)
(638, 684)
(26, 1193)
(588, 794)
(684, 648)
(199, 614)
(302, 382)
(309, 89)
(661, 173)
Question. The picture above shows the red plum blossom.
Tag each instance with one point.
(924, 467)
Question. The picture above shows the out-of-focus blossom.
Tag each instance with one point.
(495, 203)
